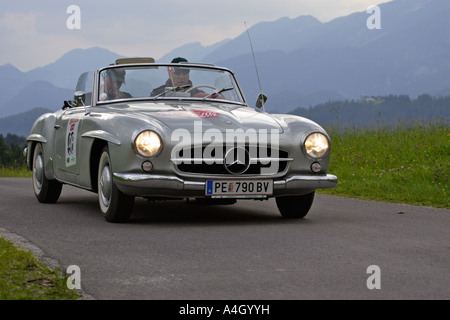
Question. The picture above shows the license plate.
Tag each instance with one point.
(239, 188)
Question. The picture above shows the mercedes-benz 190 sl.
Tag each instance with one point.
(137, 128)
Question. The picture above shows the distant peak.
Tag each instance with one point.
(10, 69)
(9, 66)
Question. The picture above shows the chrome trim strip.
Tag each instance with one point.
(150, 181)
(221, 160)
(317, 182)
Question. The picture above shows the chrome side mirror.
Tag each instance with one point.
(261, 100)
(79, 98)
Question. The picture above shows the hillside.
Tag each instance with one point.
(37, 94)
(47, 86)
(65, 71)
(378, 111)
(21, 124)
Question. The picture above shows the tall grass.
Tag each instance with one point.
(408, 163)
(11, 171)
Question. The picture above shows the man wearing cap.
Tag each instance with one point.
(177, 77)
(113, 80)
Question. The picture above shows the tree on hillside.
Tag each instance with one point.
(11, 151)
(3, 150)
(380, 110)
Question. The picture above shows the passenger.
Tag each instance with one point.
(113, 80)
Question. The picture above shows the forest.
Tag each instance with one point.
(378, 111)
(11, 151)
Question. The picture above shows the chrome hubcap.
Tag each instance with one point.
(105, 186)
(38, 170)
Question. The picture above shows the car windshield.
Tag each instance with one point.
(162, 82)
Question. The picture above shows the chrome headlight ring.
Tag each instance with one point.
(147, 143)
(316, 145)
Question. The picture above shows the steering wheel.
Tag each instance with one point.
(206, 86)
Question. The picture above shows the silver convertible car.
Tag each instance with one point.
(165, 131)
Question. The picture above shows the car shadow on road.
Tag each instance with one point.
(182, 212)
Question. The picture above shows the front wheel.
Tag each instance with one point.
(115, 205)
(295, 207)
(45, 190)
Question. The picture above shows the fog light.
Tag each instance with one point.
(147, 166)
(316, 167)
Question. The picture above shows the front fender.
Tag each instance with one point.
(42, 131)
(31, 144)
(102, 135)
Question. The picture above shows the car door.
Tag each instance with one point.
(67, 144)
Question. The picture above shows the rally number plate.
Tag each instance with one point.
(239, 188)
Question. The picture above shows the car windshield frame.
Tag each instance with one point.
(226, 88)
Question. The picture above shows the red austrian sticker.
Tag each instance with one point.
(175, 114)
(202, 114)
(206, 114)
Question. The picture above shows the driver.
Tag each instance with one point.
(177, 77)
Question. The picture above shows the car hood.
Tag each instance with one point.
(221, 116)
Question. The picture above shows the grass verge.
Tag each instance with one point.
(24, 277)
(14, 172)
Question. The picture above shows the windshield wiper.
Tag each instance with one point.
(174, 89)
(217, 91)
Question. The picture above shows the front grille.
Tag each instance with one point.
(261, 161)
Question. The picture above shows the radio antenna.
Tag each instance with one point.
(262, 98)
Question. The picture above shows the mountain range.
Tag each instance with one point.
(301, 62)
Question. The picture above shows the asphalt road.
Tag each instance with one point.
(179, 250)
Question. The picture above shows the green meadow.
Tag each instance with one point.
(407, 163)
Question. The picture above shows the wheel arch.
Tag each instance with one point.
(31, 146)
(48, 159)
(96, 152)
(32, 141)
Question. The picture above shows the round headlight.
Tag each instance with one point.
(148, 143)
(316, 145)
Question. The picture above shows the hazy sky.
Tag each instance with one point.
(35, 33)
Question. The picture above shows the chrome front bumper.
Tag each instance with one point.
(158, 185)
